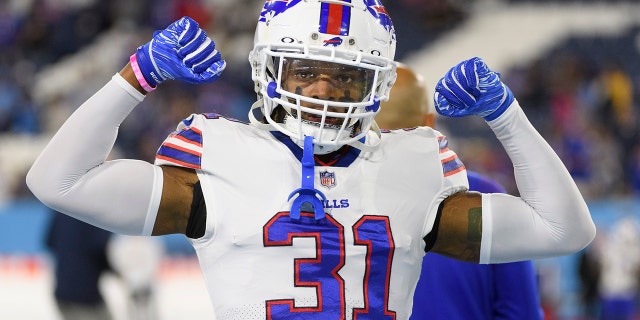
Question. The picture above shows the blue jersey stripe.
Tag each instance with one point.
(451, 165)
(192, 136)
(183, 157)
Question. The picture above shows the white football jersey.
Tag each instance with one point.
(361, 261)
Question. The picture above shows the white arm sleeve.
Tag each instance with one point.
(71, 174)
(550, 218)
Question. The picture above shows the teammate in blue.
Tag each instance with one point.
(309, 212)
(449, 289)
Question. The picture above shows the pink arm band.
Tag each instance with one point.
(138, 73)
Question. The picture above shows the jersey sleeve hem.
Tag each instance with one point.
(154, 202)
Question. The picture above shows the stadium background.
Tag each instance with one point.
(573, 65)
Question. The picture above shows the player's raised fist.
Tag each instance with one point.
(471, 88)
(182, 51)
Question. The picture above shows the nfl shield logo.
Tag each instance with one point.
(327, 179)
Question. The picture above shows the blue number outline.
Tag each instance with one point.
(321, 272)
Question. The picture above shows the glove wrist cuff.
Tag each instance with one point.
(508, 116)
(508, 100)
(136, 70)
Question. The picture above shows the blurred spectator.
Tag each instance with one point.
(589, 276)
(137, 260)
(617, 111)
(80, 259)
(619, 285)
(618, 88)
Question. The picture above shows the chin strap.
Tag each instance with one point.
(371, 142)
(254, 121)
(307, 194)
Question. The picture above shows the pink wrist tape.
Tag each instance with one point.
(138, 73)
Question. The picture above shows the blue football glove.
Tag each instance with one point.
(471, 88)
(182, 51)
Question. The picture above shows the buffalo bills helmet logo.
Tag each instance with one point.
(273, 8)
(335, 41)
(380, 13)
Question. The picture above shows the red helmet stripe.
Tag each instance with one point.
(335, 18)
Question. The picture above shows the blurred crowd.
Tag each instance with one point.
(53, 54)
(586, 106)
(582, 97)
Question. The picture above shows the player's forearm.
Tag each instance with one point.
(71, 174)
(551, 218)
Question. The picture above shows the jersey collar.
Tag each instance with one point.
(344, 157)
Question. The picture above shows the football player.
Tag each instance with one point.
(276, 241)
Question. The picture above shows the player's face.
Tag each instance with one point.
(325, 81)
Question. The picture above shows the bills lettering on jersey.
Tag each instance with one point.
(336, 204)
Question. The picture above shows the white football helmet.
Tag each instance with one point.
(321, 68)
